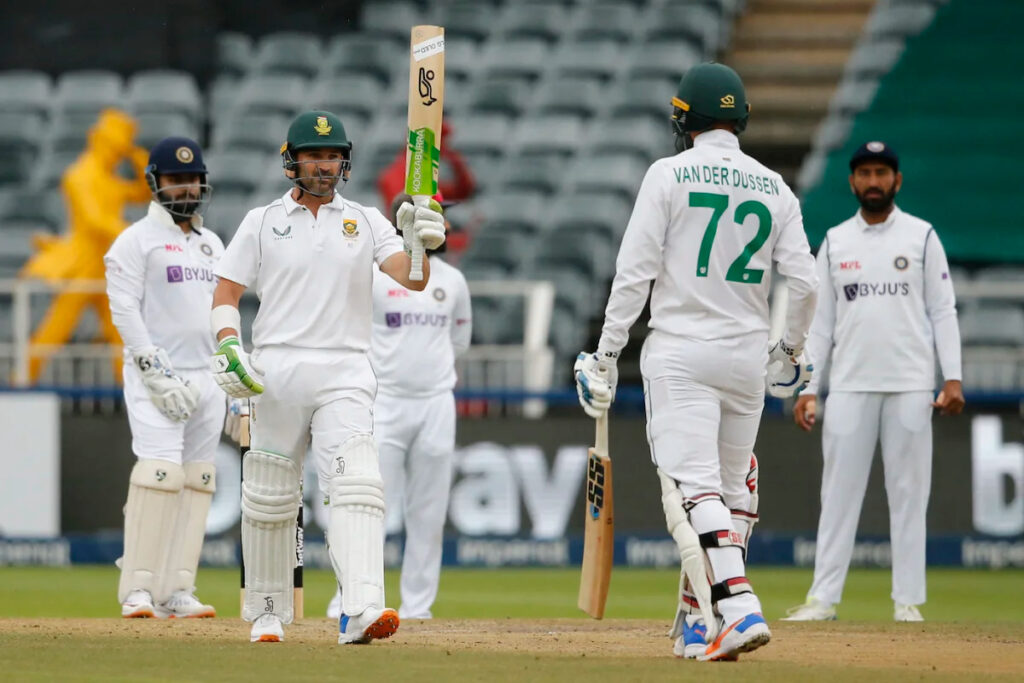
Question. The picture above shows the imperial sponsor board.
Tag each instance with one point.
(518, 487)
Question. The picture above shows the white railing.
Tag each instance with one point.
(522, 366)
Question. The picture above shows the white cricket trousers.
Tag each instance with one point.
(416, 441)
(155, 436)
(853, 423)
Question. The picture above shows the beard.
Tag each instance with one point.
(876, 203)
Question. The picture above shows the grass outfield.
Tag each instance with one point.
(57, 624)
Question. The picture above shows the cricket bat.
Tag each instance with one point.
(426, 104)
(599, 536)
(297, 603)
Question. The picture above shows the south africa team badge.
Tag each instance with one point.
(350, 228)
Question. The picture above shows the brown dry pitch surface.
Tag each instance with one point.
(498, 650)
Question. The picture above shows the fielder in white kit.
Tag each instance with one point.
(886, 305)
(160, 284)
(309, 255)
(707, 226)
(414, 415)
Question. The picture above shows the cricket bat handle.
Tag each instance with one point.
(416, 271)
(601, 434)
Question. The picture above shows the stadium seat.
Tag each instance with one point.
(391, 19)
(512, 211)
(568, 95)
(87, 92)
(530, 173)
(591, 214)
(223, 97)
(357, 93)
(601, 59)
(21, 138)
(359, 54)
(573, 289)
(525, 58)
(25, 92)
(637, 135)
(33, 209)
(643, 96)
(259, 131)
(661, 59)
(599, 172)
(461, 60)
(155, 126)
(616, 21)
(591, 257)
(508, 97)
(486, 133)
(872, 60)
(687, 22)
(532, 20)
(234, 54)
(489, 320)
(226, 211)
(998, 274)
(497, 248)
(290, 53)
(165, 92)
(899, 20)
(544, 135)
(992, 325)
(48, 170)
(240, 171)
(273, 94)
(465, 19)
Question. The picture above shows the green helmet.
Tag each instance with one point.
(708, 93)
(316, 130)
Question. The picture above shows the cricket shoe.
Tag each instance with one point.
(691, 643)
(334, 607)
(906, 613)
(372, 624)
(744, 635)
(183, 604)
(812, 610)
(138, 605)
(267, 629)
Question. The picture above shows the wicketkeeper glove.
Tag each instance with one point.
(233, 371)
(596, 378)
(788, 370)
(172, 394)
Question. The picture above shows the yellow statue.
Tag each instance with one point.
(95, 197)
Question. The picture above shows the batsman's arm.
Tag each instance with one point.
(126, 285)
(399, 266)
(226, 296)
(820, 340)
(638, 261)
(792, 254)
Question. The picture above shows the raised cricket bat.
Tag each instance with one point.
(297, 606)
(426, 104)
(599, 537)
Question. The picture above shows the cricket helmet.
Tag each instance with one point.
(709, 93)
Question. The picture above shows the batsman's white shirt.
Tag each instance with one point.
(707, 225)
(160, 283)
(886, 303)
(417, 335)
(312, 274)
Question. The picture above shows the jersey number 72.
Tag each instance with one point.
(718, 203)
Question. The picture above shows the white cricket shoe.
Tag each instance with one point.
(138, 605)
(184, 604)
(334, 606)
(906, 613)
(744, 635)
(691, 644)
(267, 629)
(372, 624)
(812, 610)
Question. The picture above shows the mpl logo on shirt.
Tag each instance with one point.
(865, 289)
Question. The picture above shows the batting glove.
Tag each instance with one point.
(788, 370)
(596, 378)
(423, 224)
(233, 371)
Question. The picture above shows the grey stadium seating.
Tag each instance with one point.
(290, 54)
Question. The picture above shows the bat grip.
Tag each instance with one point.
(416, 270)
(601, 434)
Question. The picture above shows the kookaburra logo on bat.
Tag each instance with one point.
(427, 86)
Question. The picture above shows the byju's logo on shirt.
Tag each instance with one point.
(421, 319)
(188, 274)
(862, 290)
